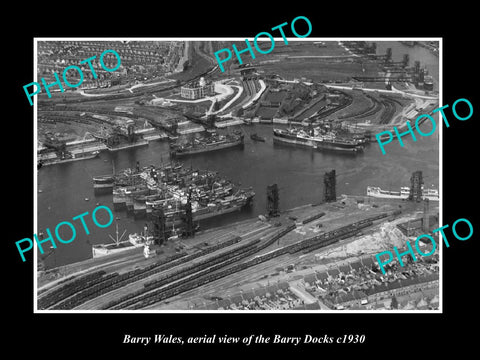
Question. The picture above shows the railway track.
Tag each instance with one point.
(143, 287)
(222, 269)
(84, 289)
(174, 267)
(44, 103)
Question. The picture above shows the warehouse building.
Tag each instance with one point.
(198, 89)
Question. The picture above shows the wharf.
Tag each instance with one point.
(340, 213)
(123, 261)
(91, 145)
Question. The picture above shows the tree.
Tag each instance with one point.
(394, 303)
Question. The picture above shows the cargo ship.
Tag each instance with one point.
(174, 213)
(134, 241)
(204, 206)
(316, 140)
(45, 159)
(375, 191)
(169, 188)
(101, 250)
(213, 142)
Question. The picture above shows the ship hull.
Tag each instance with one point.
(218, 212)
(103, 186)
(119, 202)
(385, 194)
(106, 250)
(207, 215)
(63, 161)
(103, 183)
(178, 153)
(127, 146)
(197, 216)
(388, 196)
(104, 179)
(279, 138)
(133, 242)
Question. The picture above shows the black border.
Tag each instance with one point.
(102, 334)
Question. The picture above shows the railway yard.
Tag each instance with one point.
(349, 91)
(265, 261)
(313, 257)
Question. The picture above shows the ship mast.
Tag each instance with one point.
(117, 240)
(174, 234)
(173, 225)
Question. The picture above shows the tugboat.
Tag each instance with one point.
(118, 245)
(257, 137)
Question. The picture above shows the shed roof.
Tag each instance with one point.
(333, 272)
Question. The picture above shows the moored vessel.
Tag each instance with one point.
(103, 182)
(134, 241)
(257, 137)
(375, 191)
(317, 140)
(66, 158)
(171, 188)
(213, 142)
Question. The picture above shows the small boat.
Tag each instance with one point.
(257, 137)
